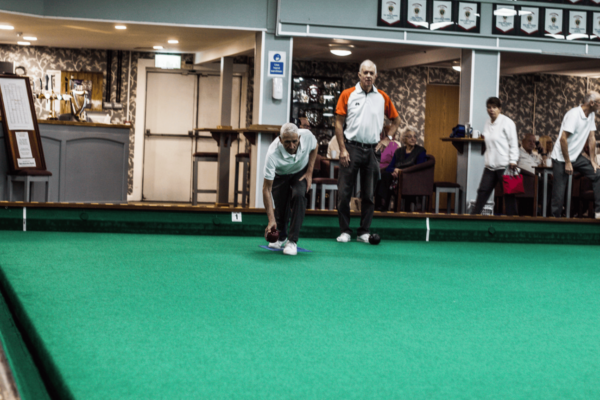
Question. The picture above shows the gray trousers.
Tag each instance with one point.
(362, 159)
(289, 196)
(560, 180)
(489, 179)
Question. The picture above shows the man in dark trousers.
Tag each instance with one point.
(288, 176)
(361, 109)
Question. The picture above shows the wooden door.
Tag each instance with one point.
(441, 115)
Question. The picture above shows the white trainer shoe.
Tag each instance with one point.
(290, 249)
(363, 238)
(344, 238)
(277, 245)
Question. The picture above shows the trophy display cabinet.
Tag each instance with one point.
(315, 99)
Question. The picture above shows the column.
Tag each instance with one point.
(225, 95)
(479, 80)
(266, 110)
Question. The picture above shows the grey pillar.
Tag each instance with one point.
(479, 80)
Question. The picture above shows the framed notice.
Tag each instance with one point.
(553, 23)
(595, 26)
(390, 13)
(21, 131)
(577, 25)
(441, 15)
(530, 20)
(467, 17)
(504, 20)
(416, 14)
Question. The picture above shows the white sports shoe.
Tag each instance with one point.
(344, 238)
(277, 245)
(363, 238)
(290, 249)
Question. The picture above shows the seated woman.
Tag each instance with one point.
(406, 156)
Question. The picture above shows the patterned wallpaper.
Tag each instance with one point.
(38, 60)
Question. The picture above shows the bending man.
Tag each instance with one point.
(578, 127)
(288, 176)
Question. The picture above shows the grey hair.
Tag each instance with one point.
(590, 96)
(409, 128)
(288, 128)
(365, 63)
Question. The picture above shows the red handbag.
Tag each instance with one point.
(513, 184)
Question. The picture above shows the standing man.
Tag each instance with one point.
(362, 109)
(578, 126)
(288, 176)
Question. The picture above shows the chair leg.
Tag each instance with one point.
(27, 190)
(437, 201)
(331, 197)
(48, 190)
(322, 197)
(245, 183)
(456, 198)
(195, 183)
(313, 196)
(236, 183)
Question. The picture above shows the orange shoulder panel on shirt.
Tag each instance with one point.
(342, 105)
(390, 110)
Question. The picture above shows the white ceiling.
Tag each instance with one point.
(66, 33)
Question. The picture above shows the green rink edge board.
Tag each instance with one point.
(390, 226)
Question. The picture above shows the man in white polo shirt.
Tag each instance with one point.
(288, 176)
(578, 126)
(362, 109)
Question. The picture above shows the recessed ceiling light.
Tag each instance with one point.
(7, 27)
(24, 43)
(173, 41)
(341, 53)
(121, 27)
(341, 50)
(157, 47)
(32, 38)
(456, 68)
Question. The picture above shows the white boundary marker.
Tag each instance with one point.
(427, 222)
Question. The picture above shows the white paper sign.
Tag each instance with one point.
(277, 64)
(596, 24)
(416, 14)
(390, 11)
(554, 21)
(236, 217)
(16, 103)
(442, 12)
(26, 162)
(530, 23)
(467, 19)
(24, 145)
(577, 22)
(505, 23)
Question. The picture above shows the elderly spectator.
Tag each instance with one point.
(406, 156)
(577, 129)
(528, 160)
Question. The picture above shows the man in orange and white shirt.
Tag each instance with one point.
(361, 109)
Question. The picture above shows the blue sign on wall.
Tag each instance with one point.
(277, 63)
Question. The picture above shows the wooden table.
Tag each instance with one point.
(224, 137)
(470, 163)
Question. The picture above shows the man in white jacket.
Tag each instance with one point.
(578, 127)
(502, 153)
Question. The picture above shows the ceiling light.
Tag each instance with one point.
(342, 51)
(456, 68)
(173, 41)
(32, 38)
(7, 27)
(120, 27)
(157, 47)
(24, 43)
(505, 12)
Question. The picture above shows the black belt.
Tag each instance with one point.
(359, 144)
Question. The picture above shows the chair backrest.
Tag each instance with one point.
(420, 181)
